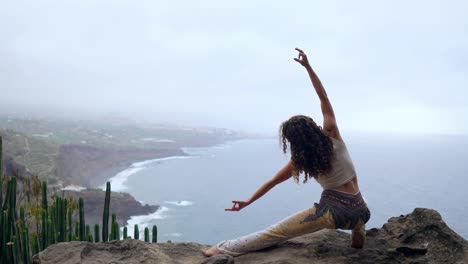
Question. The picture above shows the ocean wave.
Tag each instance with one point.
(73, 187)
(144, 221)
(179, 203)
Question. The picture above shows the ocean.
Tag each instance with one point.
(396, 173)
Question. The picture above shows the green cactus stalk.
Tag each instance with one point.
(9, 253)
(2, 245)
(3, 248)
(6, 203)
(50, 232)
(51, 227)
(88, 230)
(155, 234)
(12, 218)
(16, 258)
(147, 234)
(55, 213)
(77, 231)
(1, 162)
(22, 223)
(125, 234)
(136, 234)
(25, 247)
(45, 218)
(70, 224)
(12, 199)
(35, 244)
(82, 233)
(116, 231)
(63, 219)
(112, 234)
(96, 233)
(105, 215)
(28, 246)
(89, 238)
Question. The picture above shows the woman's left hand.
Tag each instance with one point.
(237, 205)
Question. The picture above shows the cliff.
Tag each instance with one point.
(419, 237)
(91, 166)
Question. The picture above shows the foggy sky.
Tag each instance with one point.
(387, 65)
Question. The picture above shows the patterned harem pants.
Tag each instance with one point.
(336, 210)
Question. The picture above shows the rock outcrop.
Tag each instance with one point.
(419, 237)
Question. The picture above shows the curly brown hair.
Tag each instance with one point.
(311, 150)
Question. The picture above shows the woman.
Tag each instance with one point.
(320, 154)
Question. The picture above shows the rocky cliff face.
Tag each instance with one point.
(419, 237)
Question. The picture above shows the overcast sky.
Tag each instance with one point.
(387, 65)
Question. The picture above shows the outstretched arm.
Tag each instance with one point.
(282, 175)
(329, 120)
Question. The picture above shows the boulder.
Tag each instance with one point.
(419, 237)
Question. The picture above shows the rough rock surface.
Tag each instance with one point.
(419, 237)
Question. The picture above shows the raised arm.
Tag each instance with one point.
(329, 121)
(282, 175)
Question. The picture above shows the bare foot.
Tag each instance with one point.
(212, 251)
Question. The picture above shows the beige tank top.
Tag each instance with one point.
(342, 168)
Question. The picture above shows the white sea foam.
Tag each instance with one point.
(144, 221)
(73, 187)
(119, 180)
(179, 203)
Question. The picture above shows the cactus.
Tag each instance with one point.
(1, 161)
(52, 228)
(16, 253)
(77, 231)
(155, 234)
(116, 229)
(105, 215)
(125, 235)
(70, 224)
(82, 234)
(63, 219)
(96, 233)
(16, 244)
(22, 222)
(88, 231)
(3, 238)
(25, 249)
(112, 234)
(2, 232)
(35, 244)
(147, 234)
(45, 217)
(9, 253)
(50, 232)
(136, 234)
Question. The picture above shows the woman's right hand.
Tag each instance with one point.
(237, 205)
(302, 58)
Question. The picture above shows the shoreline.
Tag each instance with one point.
(118, 175)
(122, 176)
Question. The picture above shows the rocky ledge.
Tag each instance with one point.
(419, 237)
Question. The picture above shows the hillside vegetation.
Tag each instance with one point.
(39, 144)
